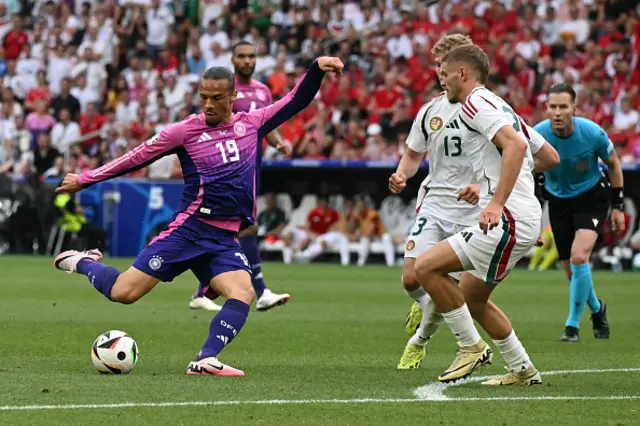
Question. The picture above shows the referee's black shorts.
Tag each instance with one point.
(589, 210)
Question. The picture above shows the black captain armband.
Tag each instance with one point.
(617, 198)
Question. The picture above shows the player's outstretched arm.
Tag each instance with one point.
(269, 118)
(407, 168)
(144, 154)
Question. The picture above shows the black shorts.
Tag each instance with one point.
(586, 211)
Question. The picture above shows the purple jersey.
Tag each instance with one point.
(218, 162)
(252, 96)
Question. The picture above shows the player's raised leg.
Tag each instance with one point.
(498, 327)
(126, 287)
(432, 270)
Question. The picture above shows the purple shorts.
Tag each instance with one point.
(188, 243)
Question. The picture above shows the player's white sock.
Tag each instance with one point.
(513, 353)
(389, 250)
(461, 325)
(363, 252)
(431, 320)
(421, 296)
(343, 249)
(287, 255)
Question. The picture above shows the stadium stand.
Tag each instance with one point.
(88, 81)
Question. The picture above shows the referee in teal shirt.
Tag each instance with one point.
(580, 200)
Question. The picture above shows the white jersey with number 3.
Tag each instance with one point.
(437, 131)
(483, 114)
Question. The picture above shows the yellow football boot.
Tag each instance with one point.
(413, 319)
(467, 361)
(528, 377)
(412, 357)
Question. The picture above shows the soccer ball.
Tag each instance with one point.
(114, 352)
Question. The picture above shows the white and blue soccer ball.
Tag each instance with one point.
(114, 352)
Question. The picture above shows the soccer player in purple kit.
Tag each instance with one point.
(251, 95)
(217, 152)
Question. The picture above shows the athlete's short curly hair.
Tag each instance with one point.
(449, 42)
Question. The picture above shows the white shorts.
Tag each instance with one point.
(494, 255)
(426, 232)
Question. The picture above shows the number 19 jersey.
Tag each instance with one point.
(437, 131)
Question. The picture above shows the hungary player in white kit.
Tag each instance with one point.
(509, 224)
(446, 201)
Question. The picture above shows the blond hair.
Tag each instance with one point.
(472, 56)
(449, 42)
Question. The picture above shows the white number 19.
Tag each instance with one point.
(231, 148)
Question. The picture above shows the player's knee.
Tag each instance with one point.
(243, 293)
(124, 294)
(423, 267)
(579, 257)
(409, 281)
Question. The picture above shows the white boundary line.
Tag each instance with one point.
(433, 392)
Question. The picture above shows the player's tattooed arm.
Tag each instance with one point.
(408, 167)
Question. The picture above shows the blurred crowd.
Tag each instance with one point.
(89, 80)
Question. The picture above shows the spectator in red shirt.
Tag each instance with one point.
(91, 122)
(501, 21)
(167, 63)
(142, 128)
(39, 93)
(525, 75)
(15, 40)
(421, 74)
(313, 152)
(322, 221)
(387, 96)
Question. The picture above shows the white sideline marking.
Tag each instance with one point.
(433, 392)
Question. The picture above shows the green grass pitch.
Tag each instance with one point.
(339, 338)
